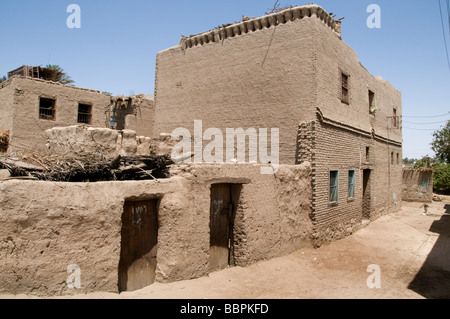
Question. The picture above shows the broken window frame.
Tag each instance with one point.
(47, 113)
(84, 115)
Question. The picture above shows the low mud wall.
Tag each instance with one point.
(52, 231)
(418, 185)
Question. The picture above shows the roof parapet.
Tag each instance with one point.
(267, 21)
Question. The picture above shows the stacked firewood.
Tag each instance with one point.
(86, 168)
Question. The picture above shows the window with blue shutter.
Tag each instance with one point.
(351, 183)
(334, 189)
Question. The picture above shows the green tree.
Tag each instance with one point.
(2, 79)
(441, 143)
(441, 177)
(56, 74)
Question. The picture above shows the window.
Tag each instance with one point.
(84, 113)
(351, 183)
(371, 102)
(345, 88)
(392, 158)
(394, 118)
(334, 177)
(47, 109)
(367, 153)
(398, 160)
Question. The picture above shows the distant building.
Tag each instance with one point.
(29, 106)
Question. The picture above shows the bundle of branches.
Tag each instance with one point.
(88, 168)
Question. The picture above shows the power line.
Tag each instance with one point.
(427, 116)
(418, 129)
(425, 123)
(443, 32)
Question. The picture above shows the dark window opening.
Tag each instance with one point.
(47, 109)
(345, 88)
(392, 158)
(367, 153)
(84, 113)
(398, 160)
(394, 118)
(371, 102)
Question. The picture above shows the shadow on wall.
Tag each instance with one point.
(433, 279)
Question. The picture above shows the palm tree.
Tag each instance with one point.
(56, 74)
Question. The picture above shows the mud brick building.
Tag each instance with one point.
(29, 106)
(291, 70)
(340, 162)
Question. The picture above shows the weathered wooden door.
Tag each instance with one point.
(221, 227)
(138, 245)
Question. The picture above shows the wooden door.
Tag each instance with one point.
(221, 229)
(138, 245)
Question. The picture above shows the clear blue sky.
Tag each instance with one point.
(115, 48)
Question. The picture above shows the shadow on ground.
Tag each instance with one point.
(433, 279)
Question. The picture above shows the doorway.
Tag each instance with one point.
(224, 201)
(366, 201)
(139, 240)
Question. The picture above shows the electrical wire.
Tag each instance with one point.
(440, 122)
(443, 32)
(427, 116)
(418, 129)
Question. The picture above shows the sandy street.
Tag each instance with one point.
(409, 249)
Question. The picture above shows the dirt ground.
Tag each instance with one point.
(410, 249)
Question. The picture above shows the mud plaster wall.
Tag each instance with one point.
(418, 185)
(333, 56)
(28, 130)
(6, 112)
(82, 140)
(46, 226)
(261, 79)
(142, 122)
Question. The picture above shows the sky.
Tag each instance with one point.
(115, 47)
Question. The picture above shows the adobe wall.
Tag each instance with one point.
(142, 121)
(6, 111)
(332, 56)
(29, 130)
(418, 185)
(83, 140)
(46, 226)
(329, 147)
(259, 79)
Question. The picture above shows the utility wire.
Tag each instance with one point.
(419, 129)
(443, 32)
(425, 123)
(427, 116)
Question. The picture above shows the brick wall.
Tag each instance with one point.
(330, 147)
